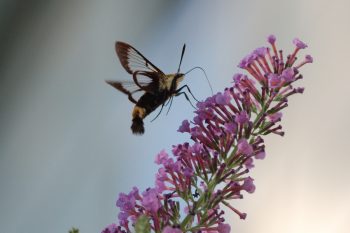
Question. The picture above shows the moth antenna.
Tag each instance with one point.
(205, 74)
(182, 55)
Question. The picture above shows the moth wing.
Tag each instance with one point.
(127, 87)
(132, 60)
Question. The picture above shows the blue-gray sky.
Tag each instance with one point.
(66, 149)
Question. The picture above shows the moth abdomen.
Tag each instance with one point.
(146, 104)
(138, 114)
(137, 126)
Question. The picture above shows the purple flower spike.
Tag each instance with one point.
(196, 179)
(224, 228)
(261, 52)
(243, 64)
(169, 229)
(275, 117)
(260, 155)
(188, 172)
(271, 39)
(150, 200)
(244, 147)
(248, 185)
(160, 186)
(249, 163)
(300, 90)
(274, 80)
(237, 78)
(184, 127)
(112, 228)
(223, 99)
(161, 158)
(231, 127)
(299, 44)
(242, 118)
(288, 74)
(309, 59)
(197, 148)
(123, 217)
(126, 202)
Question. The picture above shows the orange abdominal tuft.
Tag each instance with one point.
(138, 112)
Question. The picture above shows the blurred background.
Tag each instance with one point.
(66, 149)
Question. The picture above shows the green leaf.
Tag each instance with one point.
(74, 230)
(142, 225)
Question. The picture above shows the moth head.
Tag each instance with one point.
(179, 77)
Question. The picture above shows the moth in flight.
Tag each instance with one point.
(157, 88)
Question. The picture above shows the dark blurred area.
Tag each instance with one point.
(14, 16)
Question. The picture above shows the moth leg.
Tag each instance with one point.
(168, 102)
(158, 112)
(184, 93)
(171, 102)
(188, 89)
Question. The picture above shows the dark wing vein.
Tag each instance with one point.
(127, 87)
(132, 60)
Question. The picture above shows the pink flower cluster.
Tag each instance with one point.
(192, 185)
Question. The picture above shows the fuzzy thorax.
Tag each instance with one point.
(166, 83)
